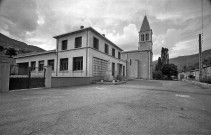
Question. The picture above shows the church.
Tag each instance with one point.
(139, 62)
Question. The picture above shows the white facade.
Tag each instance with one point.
(82, 61)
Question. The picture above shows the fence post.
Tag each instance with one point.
(4, 76)
(48, 76)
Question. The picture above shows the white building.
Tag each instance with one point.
(87, 53)
(81, 53)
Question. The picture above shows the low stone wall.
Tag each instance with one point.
(69, 81)
(201, 84)
(4, 76)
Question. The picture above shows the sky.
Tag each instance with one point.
(175, 23)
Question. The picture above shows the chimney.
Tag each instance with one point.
(103, 35)
(82, 27)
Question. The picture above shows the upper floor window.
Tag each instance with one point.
(78, 42)
(41, 65)
(33, 65)
(64, 45)
(63, 64)
(51, 63)
(119, 55)
(77, 63)
(96, 43)
(147, 37)
(113, 52)
(106, 48)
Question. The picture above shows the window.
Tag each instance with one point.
(130, 61)
(113, 52)
(119, 55)
(106, 49)
(51, 63)
(78, 42)
(77, 63)
(96, 43)
(142, 37)
(41, 65)
(113, 69)
(64, 45)
(147, 36)
(33, 65)
(123, 71)
(63, 64)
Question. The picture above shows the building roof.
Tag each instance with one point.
(34, 53)
(145, 24)
(85, 29)
(132, 51)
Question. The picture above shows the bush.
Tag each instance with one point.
(120, 78)
(169, 70)
(11, 52)
(191, 76)
(157, 75)
(207, 80)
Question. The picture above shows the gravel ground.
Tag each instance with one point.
(138, 107)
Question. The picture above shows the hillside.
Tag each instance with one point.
(7, 42)
(187, 60)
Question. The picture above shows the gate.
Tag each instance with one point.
(22, 77)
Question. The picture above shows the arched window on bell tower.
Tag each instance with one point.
(147, 37)
(142, 37)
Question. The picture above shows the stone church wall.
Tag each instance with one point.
(139, 67)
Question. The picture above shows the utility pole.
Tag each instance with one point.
(200, 59)
(200, 44)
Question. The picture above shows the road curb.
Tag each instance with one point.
(203, 85)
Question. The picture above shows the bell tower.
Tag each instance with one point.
(145, 36)
(145, 44)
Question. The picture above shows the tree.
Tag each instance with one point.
(164, 59)
(169, 70)
(1, 48)
(11, 52)
(158, 65)
(164, 56)
(157, 75)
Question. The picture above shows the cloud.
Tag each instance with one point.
(128, 40)
(175, 24)
(181, 48)
(18, 17)
(184, 40)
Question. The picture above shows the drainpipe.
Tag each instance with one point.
(86, 50)
(57, 51)
(149, 65)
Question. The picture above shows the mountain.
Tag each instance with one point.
(188, 60)
(22, 47)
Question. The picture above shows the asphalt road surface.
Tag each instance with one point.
(139, 107)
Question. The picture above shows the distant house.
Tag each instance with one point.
(206, 73)
(82, 53)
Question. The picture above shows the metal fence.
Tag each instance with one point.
(23, 78)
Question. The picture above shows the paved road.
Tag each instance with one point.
(138, 107)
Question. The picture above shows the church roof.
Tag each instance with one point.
(145, 24)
